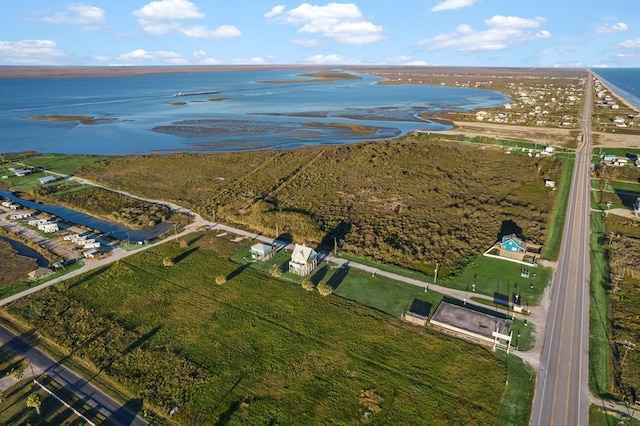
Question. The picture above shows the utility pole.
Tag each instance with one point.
(627, 346)
(435, 275)
(335, 246)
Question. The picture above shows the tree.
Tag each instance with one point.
(17, 375)
(34, 401)
(220, 280)
(307, 284)
(324, 289)
(167, 261)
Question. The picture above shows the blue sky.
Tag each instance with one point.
(518, 33)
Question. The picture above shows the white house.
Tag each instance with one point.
(48, 227)
(303, 260)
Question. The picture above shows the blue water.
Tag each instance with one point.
(625, 82)
(113, 230)
(25, 251)
(138, 119)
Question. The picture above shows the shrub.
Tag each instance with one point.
(307, 284)
(275, 272)
(371, 400)
(220, 280)
(324, 289)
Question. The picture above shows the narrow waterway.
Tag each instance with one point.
(26, 251)
(111, 229)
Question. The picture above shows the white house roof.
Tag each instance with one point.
(262, 248)
(302, 253)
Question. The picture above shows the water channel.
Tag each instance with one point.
(110, 229)
(26, 251)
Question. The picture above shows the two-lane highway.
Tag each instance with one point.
(562, 391)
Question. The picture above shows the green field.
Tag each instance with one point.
(599, 418)
(257, 350)
(553, 238)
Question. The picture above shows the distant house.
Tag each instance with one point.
(262, 251)
(39, 273)
(91, 254)
(303, 260)
(48, 227)
(46, 179)
(20, 215)
(21, 172)
(418, 313)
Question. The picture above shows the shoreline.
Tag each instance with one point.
(607, 85)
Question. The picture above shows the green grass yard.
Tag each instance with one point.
(271, 351)
(492, 276)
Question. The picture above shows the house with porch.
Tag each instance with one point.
(303, 260)
(512, 247)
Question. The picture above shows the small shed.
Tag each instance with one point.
(418, 313)
(46, 179)
(262, 251)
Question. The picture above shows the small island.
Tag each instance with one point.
(61, 117)
(318, 76)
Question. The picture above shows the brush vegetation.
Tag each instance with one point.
(411, 202)
(257, 350)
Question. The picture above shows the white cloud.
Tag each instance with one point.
(159, 27)
(331, 60)
(256, 60)
(452, 4)
(502, 32)
(158, 56)
(630, 44)
(169, 10)
(276, 10)
(200, 54)
(88, 17)
(342, 22)
(30, 52)
(305, 43)
(403, 60)
(164, 17)
(612, 28)
(210, 61)
(200, 31)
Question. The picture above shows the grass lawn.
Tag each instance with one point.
(59, 163)
(516, 403)
(266, 351)
(377, 292)
(599, 418)
(553, 238)
(599, 365)
(493, 276)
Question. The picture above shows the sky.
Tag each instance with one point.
(511, 33)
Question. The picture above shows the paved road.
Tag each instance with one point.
(562, 390)
(114, 412)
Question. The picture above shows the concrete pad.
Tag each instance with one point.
(468, 321)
